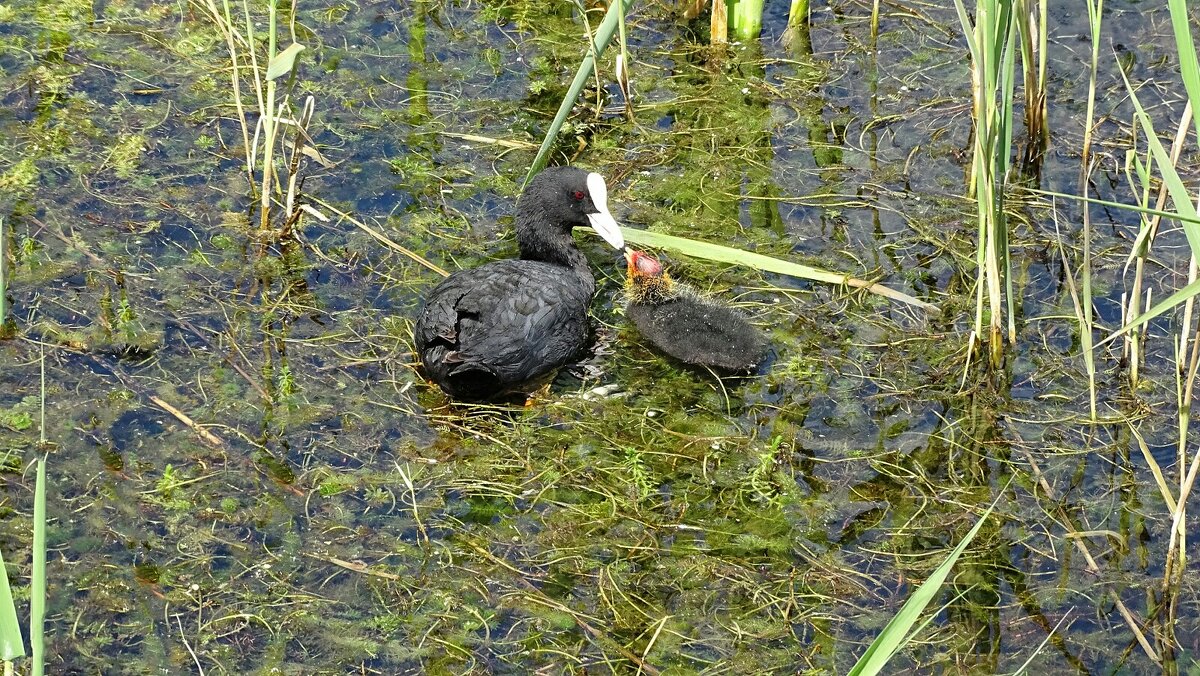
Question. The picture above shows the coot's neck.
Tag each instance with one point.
(540, 239)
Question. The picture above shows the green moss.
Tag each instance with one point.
(21, 178)
(335, 485)
(62, 16)
(126, 154)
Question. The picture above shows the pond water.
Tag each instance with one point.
(341, 516)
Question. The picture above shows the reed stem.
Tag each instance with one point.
(3, 280)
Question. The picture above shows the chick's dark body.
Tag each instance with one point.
(700, 333)
(694, 329)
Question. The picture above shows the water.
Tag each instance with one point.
(348, 519)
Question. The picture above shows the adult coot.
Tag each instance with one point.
(686, 325)
(506, 326)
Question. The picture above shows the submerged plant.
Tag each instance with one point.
(762, 488)
(639, 477)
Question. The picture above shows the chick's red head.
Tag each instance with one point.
(642, 264)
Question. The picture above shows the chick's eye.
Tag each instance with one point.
(579, 195)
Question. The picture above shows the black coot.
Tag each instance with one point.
(686, 325)
(505, 327)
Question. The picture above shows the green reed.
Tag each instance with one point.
(3, 281)
(12, 645)
(271, 184)
(903, 625)
(745, 18)
(991, 38)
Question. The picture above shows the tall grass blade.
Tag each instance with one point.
(895, 635)
(1185, 211)
(1189, 66)
(11, 643)
(991, 38)
(3, 281)
(604, 35)
(1086, 322)
(37, 591)
(724, 254)
(1136, 167)
(1003, 152)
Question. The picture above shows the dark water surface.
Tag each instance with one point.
(344, 518)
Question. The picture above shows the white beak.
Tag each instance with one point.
(602, 221)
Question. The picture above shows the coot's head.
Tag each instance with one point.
(565, 197)
(646, 282)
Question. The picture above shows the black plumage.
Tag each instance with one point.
(692, 328)
(506, 326)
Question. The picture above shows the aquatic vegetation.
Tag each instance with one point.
(12, 644)
(898, 631)
(613, 19)
(325, 510)
(990, 37)
(747, 10)
(3, 280)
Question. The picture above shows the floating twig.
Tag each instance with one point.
(183, 418)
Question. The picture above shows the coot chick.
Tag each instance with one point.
(504, 327)
(690, 327)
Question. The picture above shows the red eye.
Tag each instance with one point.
(579, 194)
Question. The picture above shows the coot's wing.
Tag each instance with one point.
(700, 333)
(534, 324)
(501, 324)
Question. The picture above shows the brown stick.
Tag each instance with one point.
(183, 418)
